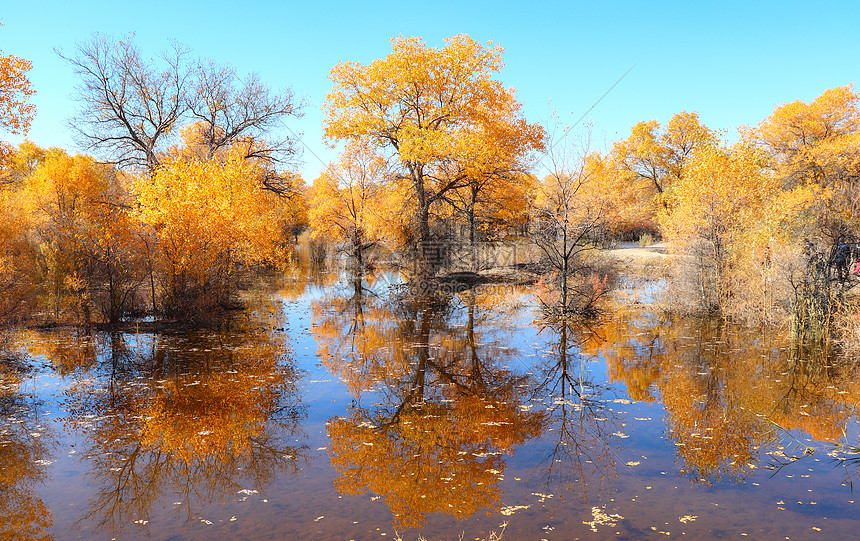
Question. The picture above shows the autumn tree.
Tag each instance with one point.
(91, 251)
(814, 146)
(347, 200)
(812, 152)
(649, 163)
(16, 256)
(722, 194)
(438, 113)
(19, 254)
(207, 220)
(15, 89)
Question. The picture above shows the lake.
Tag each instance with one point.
(344, 408)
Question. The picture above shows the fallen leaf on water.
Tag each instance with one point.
(511, 509)
(601, 518)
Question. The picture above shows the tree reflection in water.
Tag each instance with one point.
(193, 417)
(580, 422)
(734, 397)
(25, 453)
(448, 404)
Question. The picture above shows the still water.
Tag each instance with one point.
(339, 408)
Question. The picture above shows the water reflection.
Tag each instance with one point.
(581, 425)
(26, 451)
(732, 395)
(185, 418)
(447, 405)
(450, 395)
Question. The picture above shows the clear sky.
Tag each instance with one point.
(733, 62)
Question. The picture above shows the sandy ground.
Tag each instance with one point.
(646, 261)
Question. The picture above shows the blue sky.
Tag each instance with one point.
(733, 62)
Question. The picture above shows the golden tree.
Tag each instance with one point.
(439, 113)
(15, 89)
(15, 117)
(816, 145)
(208, 218)
(347, 201)
(649, 163)
(80, 211)
(723, 193)
(813, 150)
(19, 255)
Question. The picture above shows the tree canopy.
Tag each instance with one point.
(440, 115)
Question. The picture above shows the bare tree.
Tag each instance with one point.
(567, 223)
(233, 110)
(131, 107)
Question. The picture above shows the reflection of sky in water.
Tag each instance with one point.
(634, 441)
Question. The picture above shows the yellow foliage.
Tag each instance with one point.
(721, 192)
(814, 142)
(817, 145)
(208, 218)
(203, 209)
(348, 198)
(438, 111)
(648, 164)
(80, 211)
(18, 258)
(15, 114)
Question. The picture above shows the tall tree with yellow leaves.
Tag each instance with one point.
(815, 145)
(19, 255)
(722, 193)
(649, 163)
(439, 113)
(812, 149)
(15, 89)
